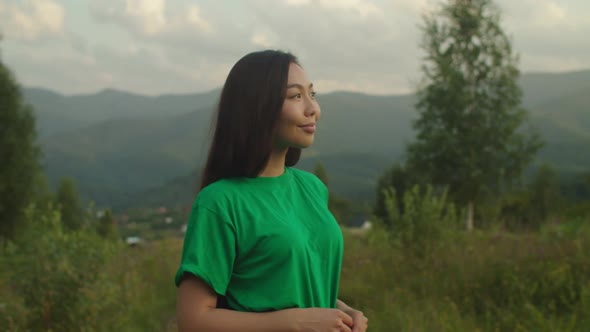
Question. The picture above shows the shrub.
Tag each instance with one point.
(426, 219)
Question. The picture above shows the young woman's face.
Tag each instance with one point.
(296, 125)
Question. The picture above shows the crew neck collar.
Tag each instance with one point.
(285, 176)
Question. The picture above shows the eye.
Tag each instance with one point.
(297, 96)
(312, 94)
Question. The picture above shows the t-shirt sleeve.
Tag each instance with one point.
(209, 249)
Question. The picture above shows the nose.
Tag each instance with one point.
(312, 108)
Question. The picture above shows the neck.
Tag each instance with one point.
(276, 163)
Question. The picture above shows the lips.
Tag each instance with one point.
(308, 128)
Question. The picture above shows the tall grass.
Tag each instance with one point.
(482, 281)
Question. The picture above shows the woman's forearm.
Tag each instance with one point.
(196, 311)
(222, 320)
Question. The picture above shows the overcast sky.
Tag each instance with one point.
(178, 46)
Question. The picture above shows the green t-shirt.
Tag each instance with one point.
(266, 243)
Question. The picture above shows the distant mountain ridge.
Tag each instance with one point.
(57, 112)
(117, 144)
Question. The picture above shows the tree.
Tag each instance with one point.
(106, 226)
(19, 154)
(469, 132)
(68, 201)
(321, 173)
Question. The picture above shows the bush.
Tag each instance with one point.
(52, 279)
(425, 221)
(51, 276)
(480, 281)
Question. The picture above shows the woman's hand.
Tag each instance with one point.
(323, 320)
(359, 321)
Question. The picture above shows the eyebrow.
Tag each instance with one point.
(297, 85)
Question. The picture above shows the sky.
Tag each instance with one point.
(158, 47)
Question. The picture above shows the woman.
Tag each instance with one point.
(262, 252)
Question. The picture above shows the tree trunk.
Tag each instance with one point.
(470, 216)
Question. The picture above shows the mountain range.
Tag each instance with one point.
(124, 149)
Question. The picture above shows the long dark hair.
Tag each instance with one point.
(248, 109)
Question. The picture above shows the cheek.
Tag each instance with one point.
(290, 114)
(289, 118)
(286, 129)
(287, 132)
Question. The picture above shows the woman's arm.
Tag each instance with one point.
(196, 312)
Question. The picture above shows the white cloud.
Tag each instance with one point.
(341, 51)
(181, 45)
(195, 18)
(414, 6)
(549, 36)
(297, 3)
(147, 14)
(151, 18)
(553, 63)
(262, 40)
(367, 86)
(30, 19)
(363, 8)
(540, 14)
(549, 14)
(537, 14)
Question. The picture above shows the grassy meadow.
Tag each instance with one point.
(484, 281)
(488, 280)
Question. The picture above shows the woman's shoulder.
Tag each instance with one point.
(217, 193)
(309, 178)
(305, 175)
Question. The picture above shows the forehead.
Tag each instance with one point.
(297, 75)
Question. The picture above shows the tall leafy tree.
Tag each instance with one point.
(70, 208)
(19, 154)
(470, 135)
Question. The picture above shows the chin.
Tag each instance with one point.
(302, 144)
